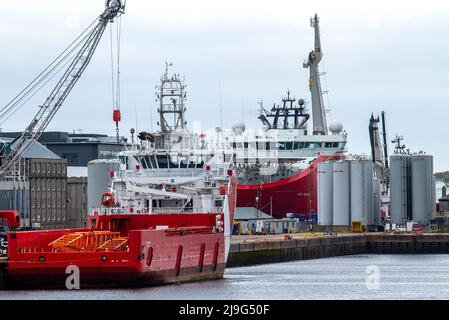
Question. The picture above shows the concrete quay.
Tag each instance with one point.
(252, 250)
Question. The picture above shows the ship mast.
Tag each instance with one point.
(171, 98)
(318, 112)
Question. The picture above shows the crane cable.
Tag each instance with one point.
(115, 75)
(112, 66)
(119, 39)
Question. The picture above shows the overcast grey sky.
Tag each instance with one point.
(378, 55)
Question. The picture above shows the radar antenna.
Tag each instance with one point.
(399, 148)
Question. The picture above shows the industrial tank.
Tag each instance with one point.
(341, 194)
(99, 179)
(400, 188)
(434, 193)
(325, 193)
(361, 191)
(376, 202)
(423, 199)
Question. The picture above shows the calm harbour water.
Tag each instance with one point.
(401, 277)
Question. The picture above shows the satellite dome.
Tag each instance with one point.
(238, 128)
(336, 127)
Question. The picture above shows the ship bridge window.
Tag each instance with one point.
(162, 161)
(234, 145)
(281, 145)
(331, 144)
(174, 161)
(192, 162)
(289, 145)
(245, 145)
(152, 161)
(315, 145)
(183, 162)
(267, 145)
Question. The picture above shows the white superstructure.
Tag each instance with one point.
(172, 171)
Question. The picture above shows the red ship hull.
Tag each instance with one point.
(184, 252)
(155, 249)
(296, 194)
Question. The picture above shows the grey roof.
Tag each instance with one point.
(248, 213)
(38, 151)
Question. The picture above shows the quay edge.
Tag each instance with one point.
(264, 250)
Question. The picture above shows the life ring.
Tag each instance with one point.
(107, 199)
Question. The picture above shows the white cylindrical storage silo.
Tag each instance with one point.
(358, 212)
(99, 179)
(376, 202)
(325, 193)
(361, 192)
(400, 189)
(422, 187)
(341, 194)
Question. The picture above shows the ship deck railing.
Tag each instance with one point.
(163, 210)
(172, 173)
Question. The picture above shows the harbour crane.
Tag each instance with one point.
(379, 148)
(51, 105)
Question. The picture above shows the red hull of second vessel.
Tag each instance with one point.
(296, 194)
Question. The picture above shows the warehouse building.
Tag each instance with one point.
(41, 191)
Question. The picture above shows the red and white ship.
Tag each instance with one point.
(167, 217)
(277, 165)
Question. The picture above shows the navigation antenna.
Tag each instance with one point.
(399, 147)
